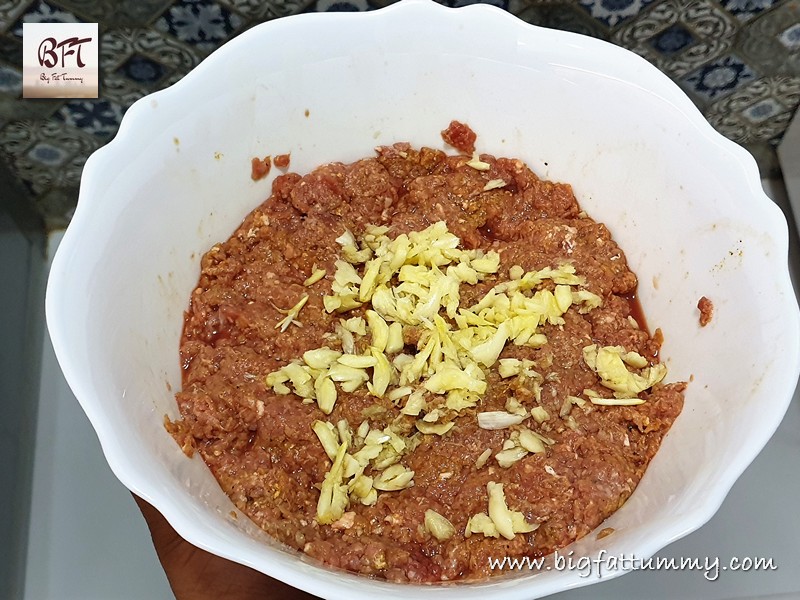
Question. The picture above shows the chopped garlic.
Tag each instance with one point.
(506, 458)
(409, 288)
(500, 520)
(387, 457)
(514, 407)
(586, 300)
(498, 510)
(400, 392)
(432, 416)
(483, 458)
(379, 330)
(357, 362)
(609, 364)
(344, 431)
(346, 337)
(355, 325)
(509, 367)
(498, 419)
(361, 486)
(616, 401)
(277, 380)
(481, 523)
(521, 442)
(566, 406)
(487, 352)
(449, 360)
(291, 315)
(333, 495)
(494, 184)
(396, 477)
(449, 377)
(376, 438)
(331, 303)
(414, 404)
(531, 442)
(381, 449)
(363, 431)
(350, 378)
(299, 377)
(476, 163)
(371, 498)
(315, 276)
(321, 358)
(346, 239)
(634, 359)
(394, 341)
(434, 428)
(458, 400)
(438, 526)
(326, 394)
(539, 414)
(487, 264)
(327, 437)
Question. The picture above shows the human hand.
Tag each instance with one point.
(195, 574)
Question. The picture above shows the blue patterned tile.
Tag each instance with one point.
(676, 39)
(11, 49)
(19, 138)
(100, 117)
(48, 154)
(791, 37)
(9, 11)
(116, 13)
(758, 111)
(42, 12)
(564, 17)
(341, 6)
(613, 12)
(259, 10)
(141, 69)
(770, 43)
(747, 9)
(457, 3)
(120, 44)
(10, 80)
(719, 78)
(201, 23)
(673, 39)
(763, 110)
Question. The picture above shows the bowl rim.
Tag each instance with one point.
(94, 176)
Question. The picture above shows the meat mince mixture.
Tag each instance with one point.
(706, 308)
(407, 365)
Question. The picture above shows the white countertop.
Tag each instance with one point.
(87, 540)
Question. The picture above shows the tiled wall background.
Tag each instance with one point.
(739, 60)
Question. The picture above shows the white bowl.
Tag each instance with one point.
(684, 203)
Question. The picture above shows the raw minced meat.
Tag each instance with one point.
(260, 444)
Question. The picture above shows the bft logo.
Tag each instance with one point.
(48, 57)
(59, 60)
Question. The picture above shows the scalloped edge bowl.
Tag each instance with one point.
(684, 203)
